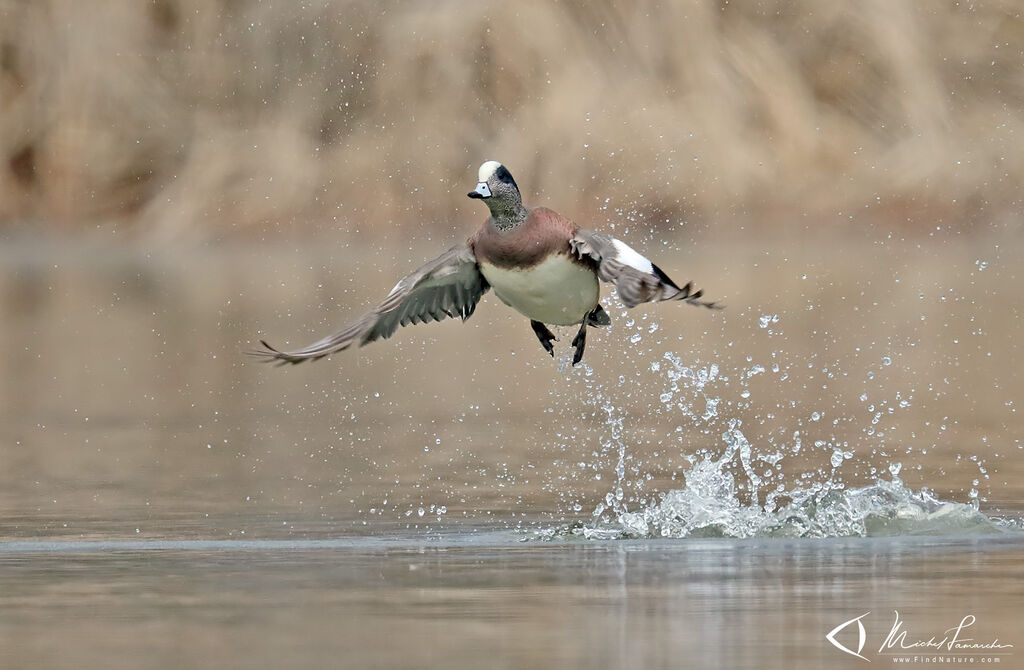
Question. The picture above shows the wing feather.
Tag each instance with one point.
(636, 278)
(448, 286)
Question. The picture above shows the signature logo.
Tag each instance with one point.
(954, 642)
(862, 636)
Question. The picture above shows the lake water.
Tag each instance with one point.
(710, 490)
(485, 599)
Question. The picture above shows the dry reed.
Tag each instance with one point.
(195, 116)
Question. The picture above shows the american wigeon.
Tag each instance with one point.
(538, 262)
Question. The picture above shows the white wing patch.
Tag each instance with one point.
(487, 170)
(626, 254)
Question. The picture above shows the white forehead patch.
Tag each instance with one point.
(487, 170)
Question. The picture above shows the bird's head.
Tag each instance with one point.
(496, 187)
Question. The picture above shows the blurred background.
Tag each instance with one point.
(179, 178)
(195, 118)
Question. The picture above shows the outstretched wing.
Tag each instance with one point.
(448, 286)
(635, 277)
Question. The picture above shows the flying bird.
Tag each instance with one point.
(538, 262)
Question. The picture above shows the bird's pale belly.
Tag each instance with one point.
(557, 291)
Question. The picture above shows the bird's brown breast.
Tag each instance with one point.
(543, 233)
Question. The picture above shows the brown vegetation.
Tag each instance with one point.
(180, 116)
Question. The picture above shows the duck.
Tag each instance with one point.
(536, 261)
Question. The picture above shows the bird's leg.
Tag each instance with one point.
(579, 342)
(545, 336)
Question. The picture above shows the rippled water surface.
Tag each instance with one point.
(475, 599)
(709, 490)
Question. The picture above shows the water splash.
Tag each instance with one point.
(708, 507)
(597, 396)
(740, 491)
